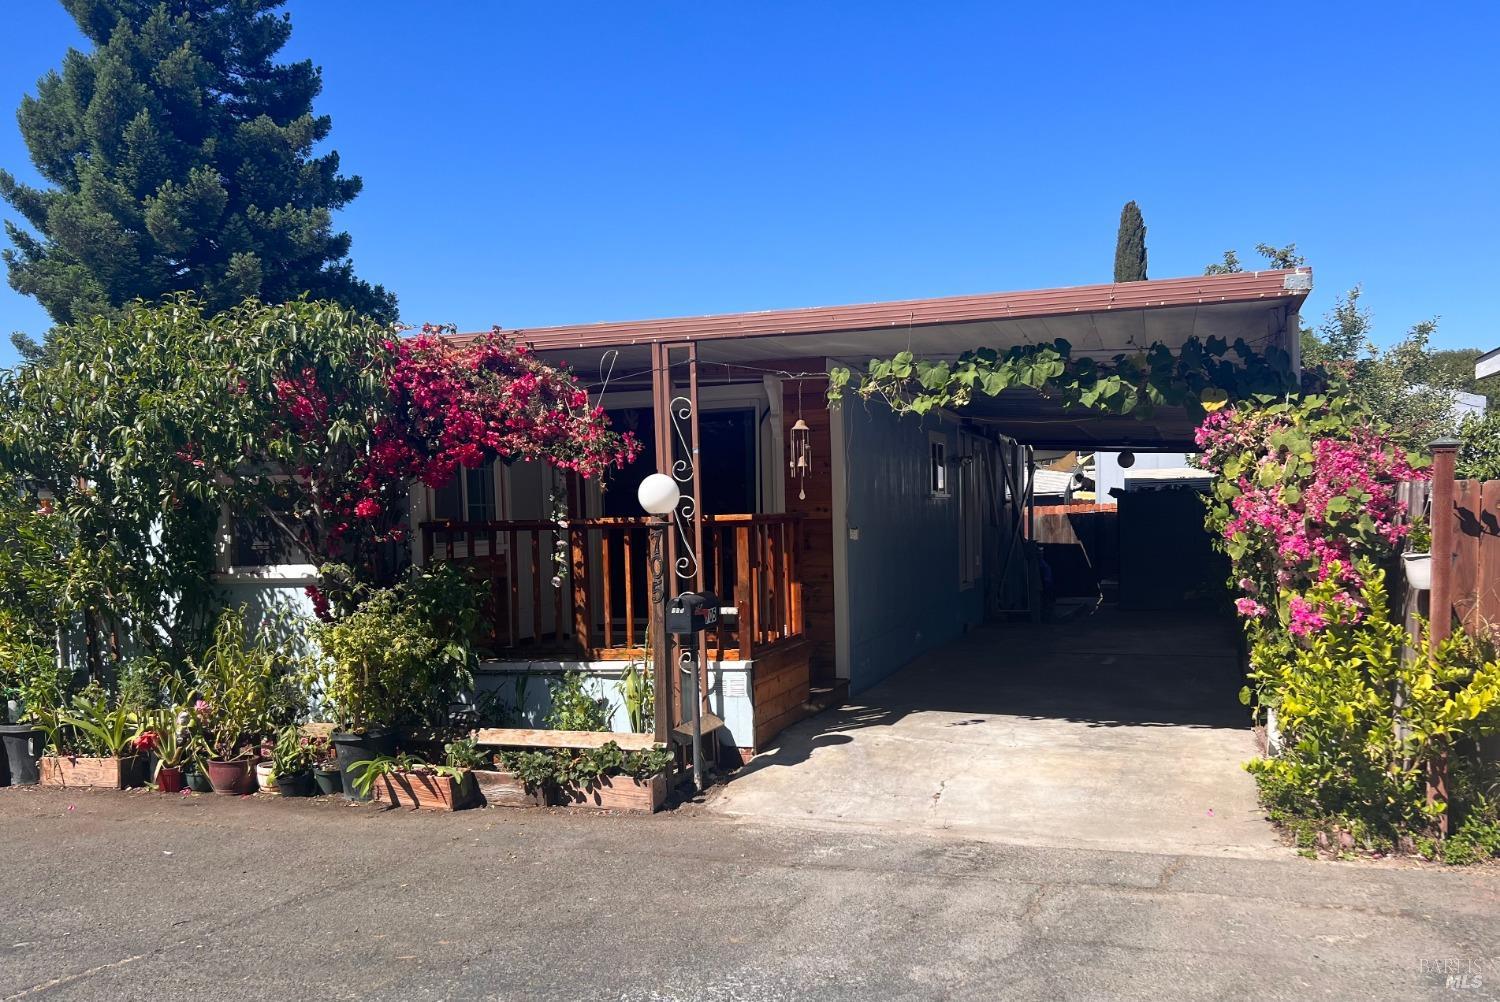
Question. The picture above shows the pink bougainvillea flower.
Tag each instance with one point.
(1305, 619)
(1249, 608)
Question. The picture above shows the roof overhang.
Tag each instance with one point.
(1097, 320)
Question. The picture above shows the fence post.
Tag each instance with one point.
(1444, 460)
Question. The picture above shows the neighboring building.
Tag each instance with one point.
(1467, 405)
(903, 534)
(1487, 364)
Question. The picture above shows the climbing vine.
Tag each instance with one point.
(1201, 376)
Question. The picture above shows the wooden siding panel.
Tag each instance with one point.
(815, 552)
(779, 688)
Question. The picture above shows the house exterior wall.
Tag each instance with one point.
(812, 498)
(905, 568)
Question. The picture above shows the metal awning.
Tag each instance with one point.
(1100, 321)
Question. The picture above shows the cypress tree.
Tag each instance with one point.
(178, 155)
(1130, 245)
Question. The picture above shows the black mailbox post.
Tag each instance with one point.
(688, 615)
(692, 612)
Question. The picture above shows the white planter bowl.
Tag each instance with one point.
(1418, 570)
(264, 777)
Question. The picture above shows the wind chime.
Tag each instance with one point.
(801, 449)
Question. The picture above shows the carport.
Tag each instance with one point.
(1105, 729)
(911, 594)
(978, 709)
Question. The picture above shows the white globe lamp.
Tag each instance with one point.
(658, 494)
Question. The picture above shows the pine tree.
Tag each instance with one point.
(1130, 245)
(179, 156)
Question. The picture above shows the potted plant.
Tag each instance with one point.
(401, 780)
(1417, 560)
(327, 775)
(171, 742)
(265, 768)
(291, 764)
(31, 690)
(96, 745)
(398, 658)
(236, 688)
(196, 775)
(612, 779)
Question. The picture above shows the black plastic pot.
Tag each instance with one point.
(197, 781)
(297, 785)
(330, 781)
(22, 753)
(361, 748)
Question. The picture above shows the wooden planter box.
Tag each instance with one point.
(103, 773)
(622, 793)
(426, 790)
(503, 789)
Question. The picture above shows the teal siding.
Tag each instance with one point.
(903, 570)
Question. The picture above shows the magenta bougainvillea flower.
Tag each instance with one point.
(1302, 509)
(452, 407)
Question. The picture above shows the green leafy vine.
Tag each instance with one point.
(1199, 377)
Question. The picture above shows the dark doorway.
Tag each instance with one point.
(726, 463)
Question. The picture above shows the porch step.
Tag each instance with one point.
(823, 697)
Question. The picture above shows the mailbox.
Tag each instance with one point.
(691, 613)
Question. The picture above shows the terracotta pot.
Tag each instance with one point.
(233, 779)
(170, 779)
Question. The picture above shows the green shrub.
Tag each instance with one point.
(1477, 840)
(404, 653)
(574, 708)
(1361, 724)
(1479, 453)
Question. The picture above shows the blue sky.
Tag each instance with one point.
(553, 163)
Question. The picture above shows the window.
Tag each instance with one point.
(253, 547)
(257, 541)
(937, 448)
(469, 497)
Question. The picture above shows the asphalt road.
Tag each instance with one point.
(144, 896)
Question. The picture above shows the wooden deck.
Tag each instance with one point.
(581, 588)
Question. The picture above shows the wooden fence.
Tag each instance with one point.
(1475, 557)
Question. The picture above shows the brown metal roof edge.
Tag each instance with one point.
(1248, 286)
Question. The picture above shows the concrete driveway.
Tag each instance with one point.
(1109, 730)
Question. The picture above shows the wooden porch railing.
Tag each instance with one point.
(583, 587)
